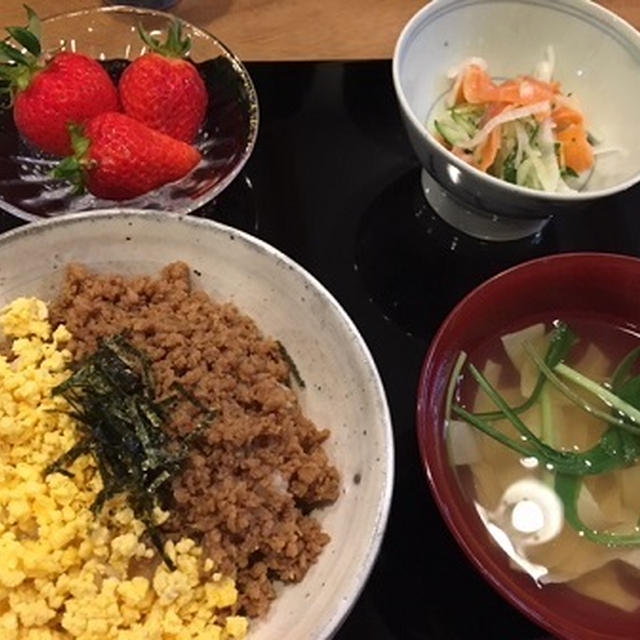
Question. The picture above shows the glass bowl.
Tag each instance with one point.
(109, 34)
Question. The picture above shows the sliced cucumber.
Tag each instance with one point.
(465, 122)
(509, 171)
(451, 131)
(469, 110)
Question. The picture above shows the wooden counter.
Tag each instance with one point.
(292, 29)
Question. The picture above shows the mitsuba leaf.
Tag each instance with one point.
(568, 490)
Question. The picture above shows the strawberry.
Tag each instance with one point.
(117, 157)
(163, 89)
(47, 96)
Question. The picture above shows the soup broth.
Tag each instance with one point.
(523, 499)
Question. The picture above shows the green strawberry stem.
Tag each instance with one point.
(19, 65)
(175, 46)
(73, 168)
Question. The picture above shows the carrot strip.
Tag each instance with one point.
(578, 153)
(464, 155)
(524, 90)
(564, 116)
(477, 86)
(493, 109)
(486, 154)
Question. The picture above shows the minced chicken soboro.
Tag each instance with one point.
(252, 480)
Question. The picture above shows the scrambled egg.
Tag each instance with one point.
(63, 572)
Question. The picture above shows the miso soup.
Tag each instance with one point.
(544, 430)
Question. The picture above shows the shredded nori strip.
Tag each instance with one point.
(295, 372)
(120, 423)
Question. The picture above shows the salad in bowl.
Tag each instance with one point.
(523, 130)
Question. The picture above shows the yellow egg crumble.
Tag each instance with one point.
(64, 573)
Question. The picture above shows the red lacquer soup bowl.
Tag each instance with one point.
(604, 286)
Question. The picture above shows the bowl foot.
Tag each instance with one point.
(414, 266)
(476, 222)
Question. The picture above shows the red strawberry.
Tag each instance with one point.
(69, 88)
(119, 158)
(164, 90)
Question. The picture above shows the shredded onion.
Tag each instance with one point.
(549, 159)
(508, 115)
(526, 90)
(523, 141)
(458, 69)
(567, 101)
(546, 67)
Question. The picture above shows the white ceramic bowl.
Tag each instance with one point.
(598, 59)
(343, 388)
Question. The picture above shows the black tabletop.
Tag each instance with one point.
(334, 184)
